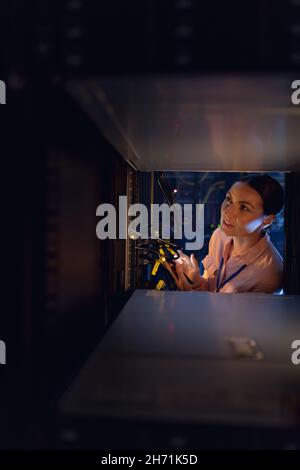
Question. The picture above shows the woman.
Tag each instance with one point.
(241, 257)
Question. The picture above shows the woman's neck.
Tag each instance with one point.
(242, 244)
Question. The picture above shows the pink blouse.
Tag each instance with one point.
(262, 273)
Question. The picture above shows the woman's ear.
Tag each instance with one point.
(268, 220)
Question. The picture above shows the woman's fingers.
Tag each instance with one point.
(179, 269)
(188, 264)
(194, 261)
(182, 282)
(184, 257)
(192, 271)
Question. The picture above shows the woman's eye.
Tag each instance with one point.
(228, 198)
(244, 208)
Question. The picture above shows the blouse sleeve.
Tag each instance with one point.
(209, 263)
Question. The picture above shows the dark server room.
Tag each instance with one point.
(151, 172)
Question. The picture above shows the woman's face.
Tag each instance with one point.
(242, 211)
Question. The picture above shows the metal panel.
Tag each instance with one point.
(197, 123)
(168, 357)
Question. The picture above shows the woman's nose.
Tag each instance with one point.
(230, 211)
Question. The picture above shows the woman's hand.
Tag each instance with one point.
(188, 266)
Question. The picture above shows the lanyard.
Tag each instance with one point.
(222, 284)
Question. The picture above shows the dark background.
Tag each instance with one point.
(61, 288)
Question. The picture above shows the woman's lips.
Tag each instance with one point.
(226, 225)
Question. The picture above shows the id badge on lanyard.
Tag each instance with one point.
(222, 284)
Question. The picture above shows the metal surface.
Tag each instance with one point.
(197, 123)
(168, 357)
